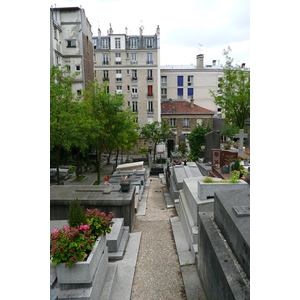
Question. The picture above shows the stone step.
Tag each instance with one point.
(113, 239)
(169, 200)
(110, 281)
(182, 247)
(119, 254)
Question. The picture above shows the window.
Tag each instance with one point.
(186, 122)
(118, 59)
(77, 68)
(105, 75)
(190, 92)
(87, 45)
(105, 43)
(134, 43)
(149, 58)
(105, 58)
(133, 58)
(95, 43)
(118, 43)
(134, 92)
(149, 42)
(163, 80)
(134, 106)
(190, 80)
(179, 80)
(164, 93)
(150, 107)
(150, 120)
(134, 75)
(119, 89)
(95, 73)
(118, 75)
(173, 122)
(71, 43)
(150, 90)
(55, 36)
(94, 57)
(199, 121)
(180, 93)
(149, 75)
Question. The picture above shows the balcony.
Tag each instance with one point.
(149, 94)
(105, 62)
(149, 62)
(150, 111)
(134, 79)
(105, 79)
(149, 78)
(134, 95)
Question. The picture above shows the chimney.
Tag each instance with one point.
(126, 30)
(243, 65)
(200, 61)
(192, 103)
(214, 62)
(99, 34)
(157, 30)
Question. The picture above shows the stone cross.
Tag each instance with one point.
(241, 136)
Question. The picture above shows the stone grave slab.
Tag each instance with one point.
(232, 215)
(212, 141)
(105, 199)
(139, 165)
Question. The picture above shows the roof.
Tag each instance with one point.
(183, 107)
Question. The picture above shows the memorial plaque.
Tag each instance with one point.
(227, 157)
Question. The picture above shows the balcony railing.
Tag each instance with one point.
(150, 94)
(150, 111)
(134, 78)
(105, 62)
(149, 78)
(134, 95)
(105, 79)
(149, 62)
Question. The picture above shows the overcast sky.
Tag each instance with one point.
(184, 25)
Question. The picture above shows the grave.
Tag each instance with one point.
(105, 198)
(212, 141)
(241, 136)
(220, 158)
(180, 172)
(139, 165)
(223, 259)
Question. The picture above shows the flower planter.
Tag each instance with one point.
(83, 271)
(225, 170)
(125, 187)
(207, 190)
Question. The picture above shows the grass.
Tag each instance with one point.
(80, 178)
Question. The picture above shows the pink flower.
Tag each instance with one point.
(55, 231)
(86, 227)
(103, 214)
(66, 228)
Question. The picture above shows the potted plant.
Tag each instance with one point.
(125, 183)
(77, 250)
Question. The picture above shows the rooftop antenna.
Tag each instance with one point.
(199, 48)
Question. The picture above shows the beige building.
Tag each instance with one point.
(130, 64)
(183, 82)
(71, 44)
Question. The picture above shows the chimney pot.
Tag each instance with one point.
(192, 103)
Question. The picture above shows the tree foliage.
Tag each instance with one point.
(233, 95)
(156, 132)
(196, 140)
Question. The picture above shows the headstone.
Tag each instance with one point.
(241, 136)
(221, 233)
(212, 141)
(220, 158)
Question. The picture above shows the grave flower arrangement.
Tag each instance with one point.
(73, 244)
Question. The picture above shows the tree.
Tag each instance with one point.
(233, 95)
(196, 140)
(156, 131)
(62, 117)
(112, 126)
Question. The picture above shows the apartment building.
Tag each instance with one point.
(130, 65)
(183, 82)
(71, 44)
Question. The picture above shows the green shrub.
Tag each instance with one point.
(71, 169)
(208, 180)
(76, 214)
(234, 176)
(236, 165)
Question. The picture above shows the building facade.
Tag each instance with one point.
(191, 81)
(130, 65)
(184, 116)
(71, 44)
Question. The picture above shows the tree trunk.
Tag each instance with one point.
(99, 167)
(117, 159)
(57, 163)
(77, 167)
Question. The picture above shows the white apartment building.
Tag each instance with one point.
(183, 82)
(71, 44)
(130, 64)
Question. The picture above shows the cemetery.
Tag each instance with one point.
(211, 229)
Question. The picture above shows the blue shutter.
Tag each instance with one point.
(179, 80)
(180, 92)
(190, 91)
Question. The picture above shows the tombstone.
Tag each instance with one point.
(241, 135)
(179, 173)
(218, 123)
(221, 233)
(220, 158)
(181, 138)
(212, 141)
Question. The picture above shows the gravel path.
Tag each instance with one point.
(157, 274)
